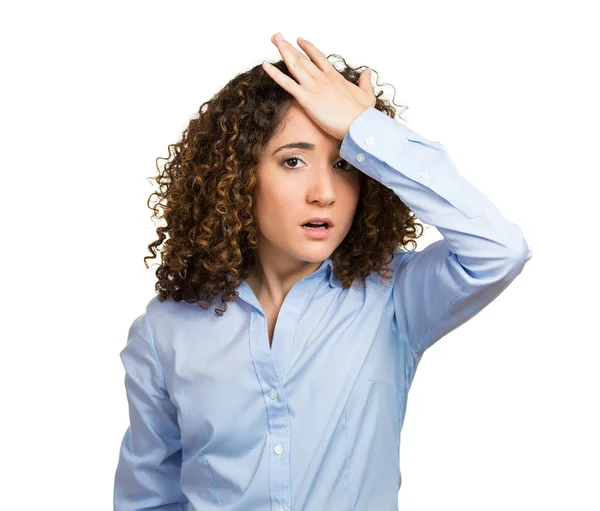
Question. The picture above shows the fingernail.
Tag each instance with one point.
(278, 37)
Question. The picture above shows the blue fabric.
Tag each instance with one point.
(219, 420)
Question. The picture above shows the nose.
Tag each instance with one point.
(321, 187)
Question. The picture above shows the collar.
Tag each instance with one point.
(327, 269)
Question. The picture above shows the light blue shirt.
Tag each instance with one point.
(219, 420)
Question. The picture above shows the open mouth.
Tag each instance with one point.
(316, 225)
(317, 230)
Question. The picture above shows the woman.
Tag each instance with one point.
(287, 198)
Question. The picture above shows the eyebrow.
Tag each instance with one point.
(297, 145)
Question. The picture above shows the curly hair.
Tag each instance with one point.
(206, 193)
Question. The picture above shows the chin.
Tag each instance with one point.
(315, 254)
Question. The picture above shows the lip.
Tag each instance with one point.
(317, 234)
(319, 219)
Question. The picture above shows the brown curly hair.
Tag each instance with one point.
(206, 192)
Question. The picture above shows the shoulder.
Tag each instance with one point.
(400, 257)
(168, 318)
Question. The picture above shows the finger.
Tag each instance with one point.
(293, 50)
(316, 55)
(299, 65)
(285, 81)
(364, 81)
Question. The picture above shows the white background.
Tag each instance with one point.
(503, 412)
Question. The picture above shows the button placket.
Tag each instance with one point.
(266, 364)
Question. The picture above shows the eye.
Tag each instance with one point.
(349, 167)
(283, 162)
(290, 158)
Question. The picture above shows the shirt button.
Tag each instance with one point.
(280, 509)
(360, 157)
(370, 140)
(273, 394)
(278, 449)
(425, 176)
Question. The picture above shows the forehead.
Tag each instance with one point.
(297, 125)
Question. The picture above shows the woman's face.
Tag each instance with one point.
(313, 182)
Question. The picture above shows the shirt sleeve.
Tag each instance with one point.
(437, 289)
(149, 466)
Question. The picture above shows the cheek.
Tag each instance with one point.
(357, 182)
(276, 209)
(351, 190)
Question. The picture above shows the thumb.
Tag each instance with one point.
(364, 81)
